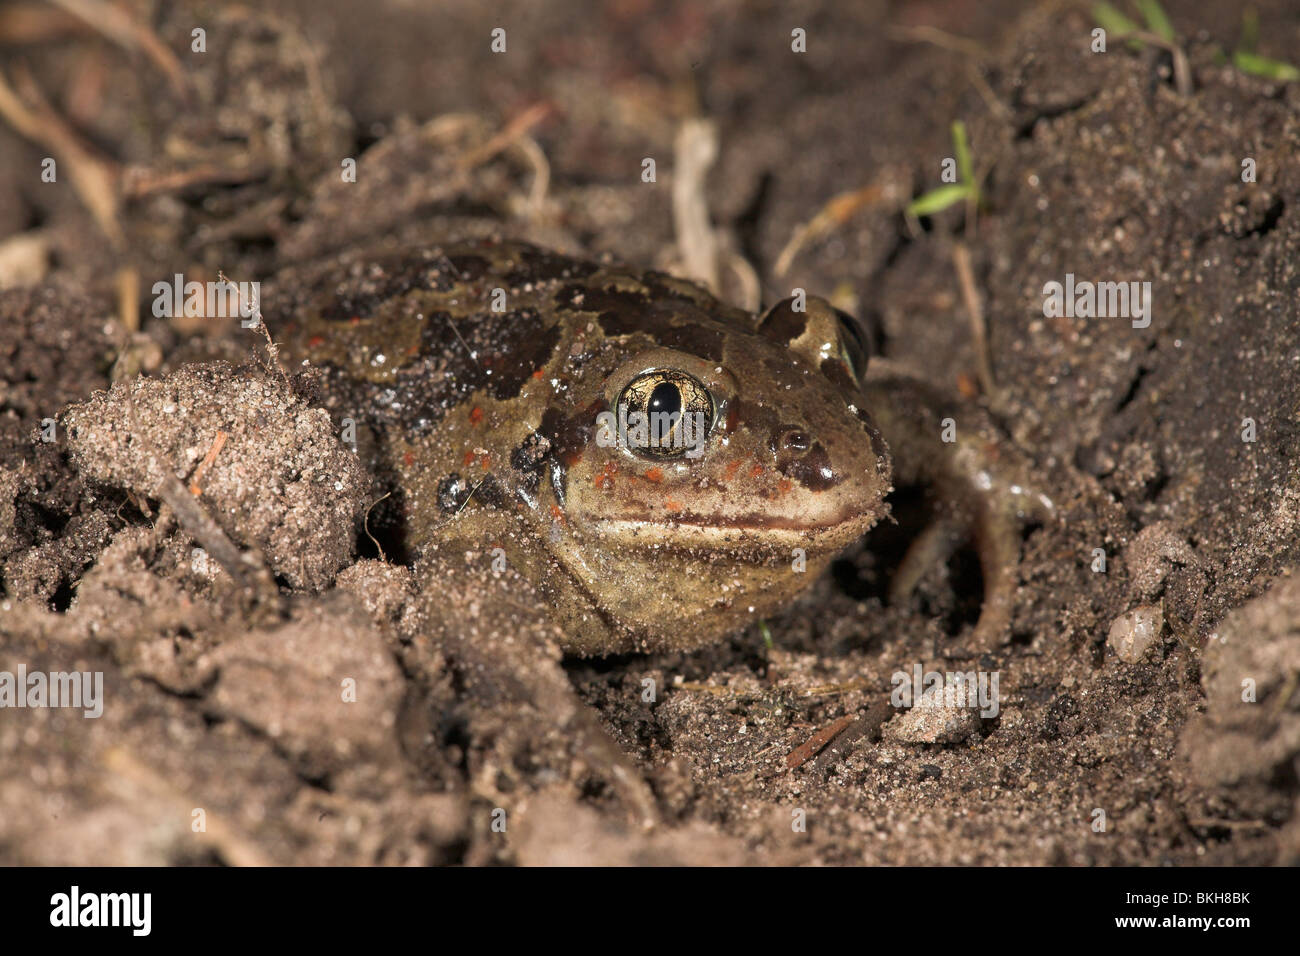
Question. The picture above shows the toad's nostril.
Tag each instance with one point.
(796, 441)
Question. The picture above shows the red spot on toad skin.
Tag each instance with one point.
(539, 373)
(731, 469)
(557, 514)
(475, 415)
(671, 505)
(655, 474)
(408, 459)
(755, 471)
(469, 458)
(606, 478)
(316, 341)
(355, 320)
(483, 462)
(785, 484)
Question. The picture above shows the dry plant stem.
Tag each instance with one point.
(247, 571)
(272, 350)
(366, 525)
(96, 179)
(517, 127)
(541, 173)
(128, 298)
(694, 152)
(828, 690)
(841, 732)
(141, 181)
(750, 288)
(196, 483)
(975, 313)
(115, 23)
(260, 219)
(23, 24)
(1182, 69)
(809, 748)
(867, 725)
(838, 210)
(725, 692)
(515, 135)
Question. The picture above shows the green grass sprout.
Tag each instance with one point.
(937, 200)
(1247, 60)
(1244, 58)
(1257, 65)
(1249, 41)
(1112, 21)
(1156, 18)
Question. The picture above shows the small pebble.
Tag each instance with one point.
(932, 725)
(1133, 634)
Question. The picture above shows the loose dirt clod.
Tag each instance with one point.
(282, 483)
(1246, 745)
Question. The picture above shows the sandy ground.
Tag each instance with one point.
(1149, 713)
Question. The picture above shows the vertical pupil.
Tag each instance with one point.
(665, 407)
(666, 399)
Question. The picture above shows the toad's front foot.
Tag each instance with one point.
(982, 486)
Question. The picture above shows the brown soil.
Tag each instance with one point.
(227, 634)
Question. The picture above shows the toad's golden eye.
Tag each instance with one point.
(668, 414)
(854, 350)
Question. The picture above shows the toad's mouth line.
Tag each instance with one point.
(844, 520)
